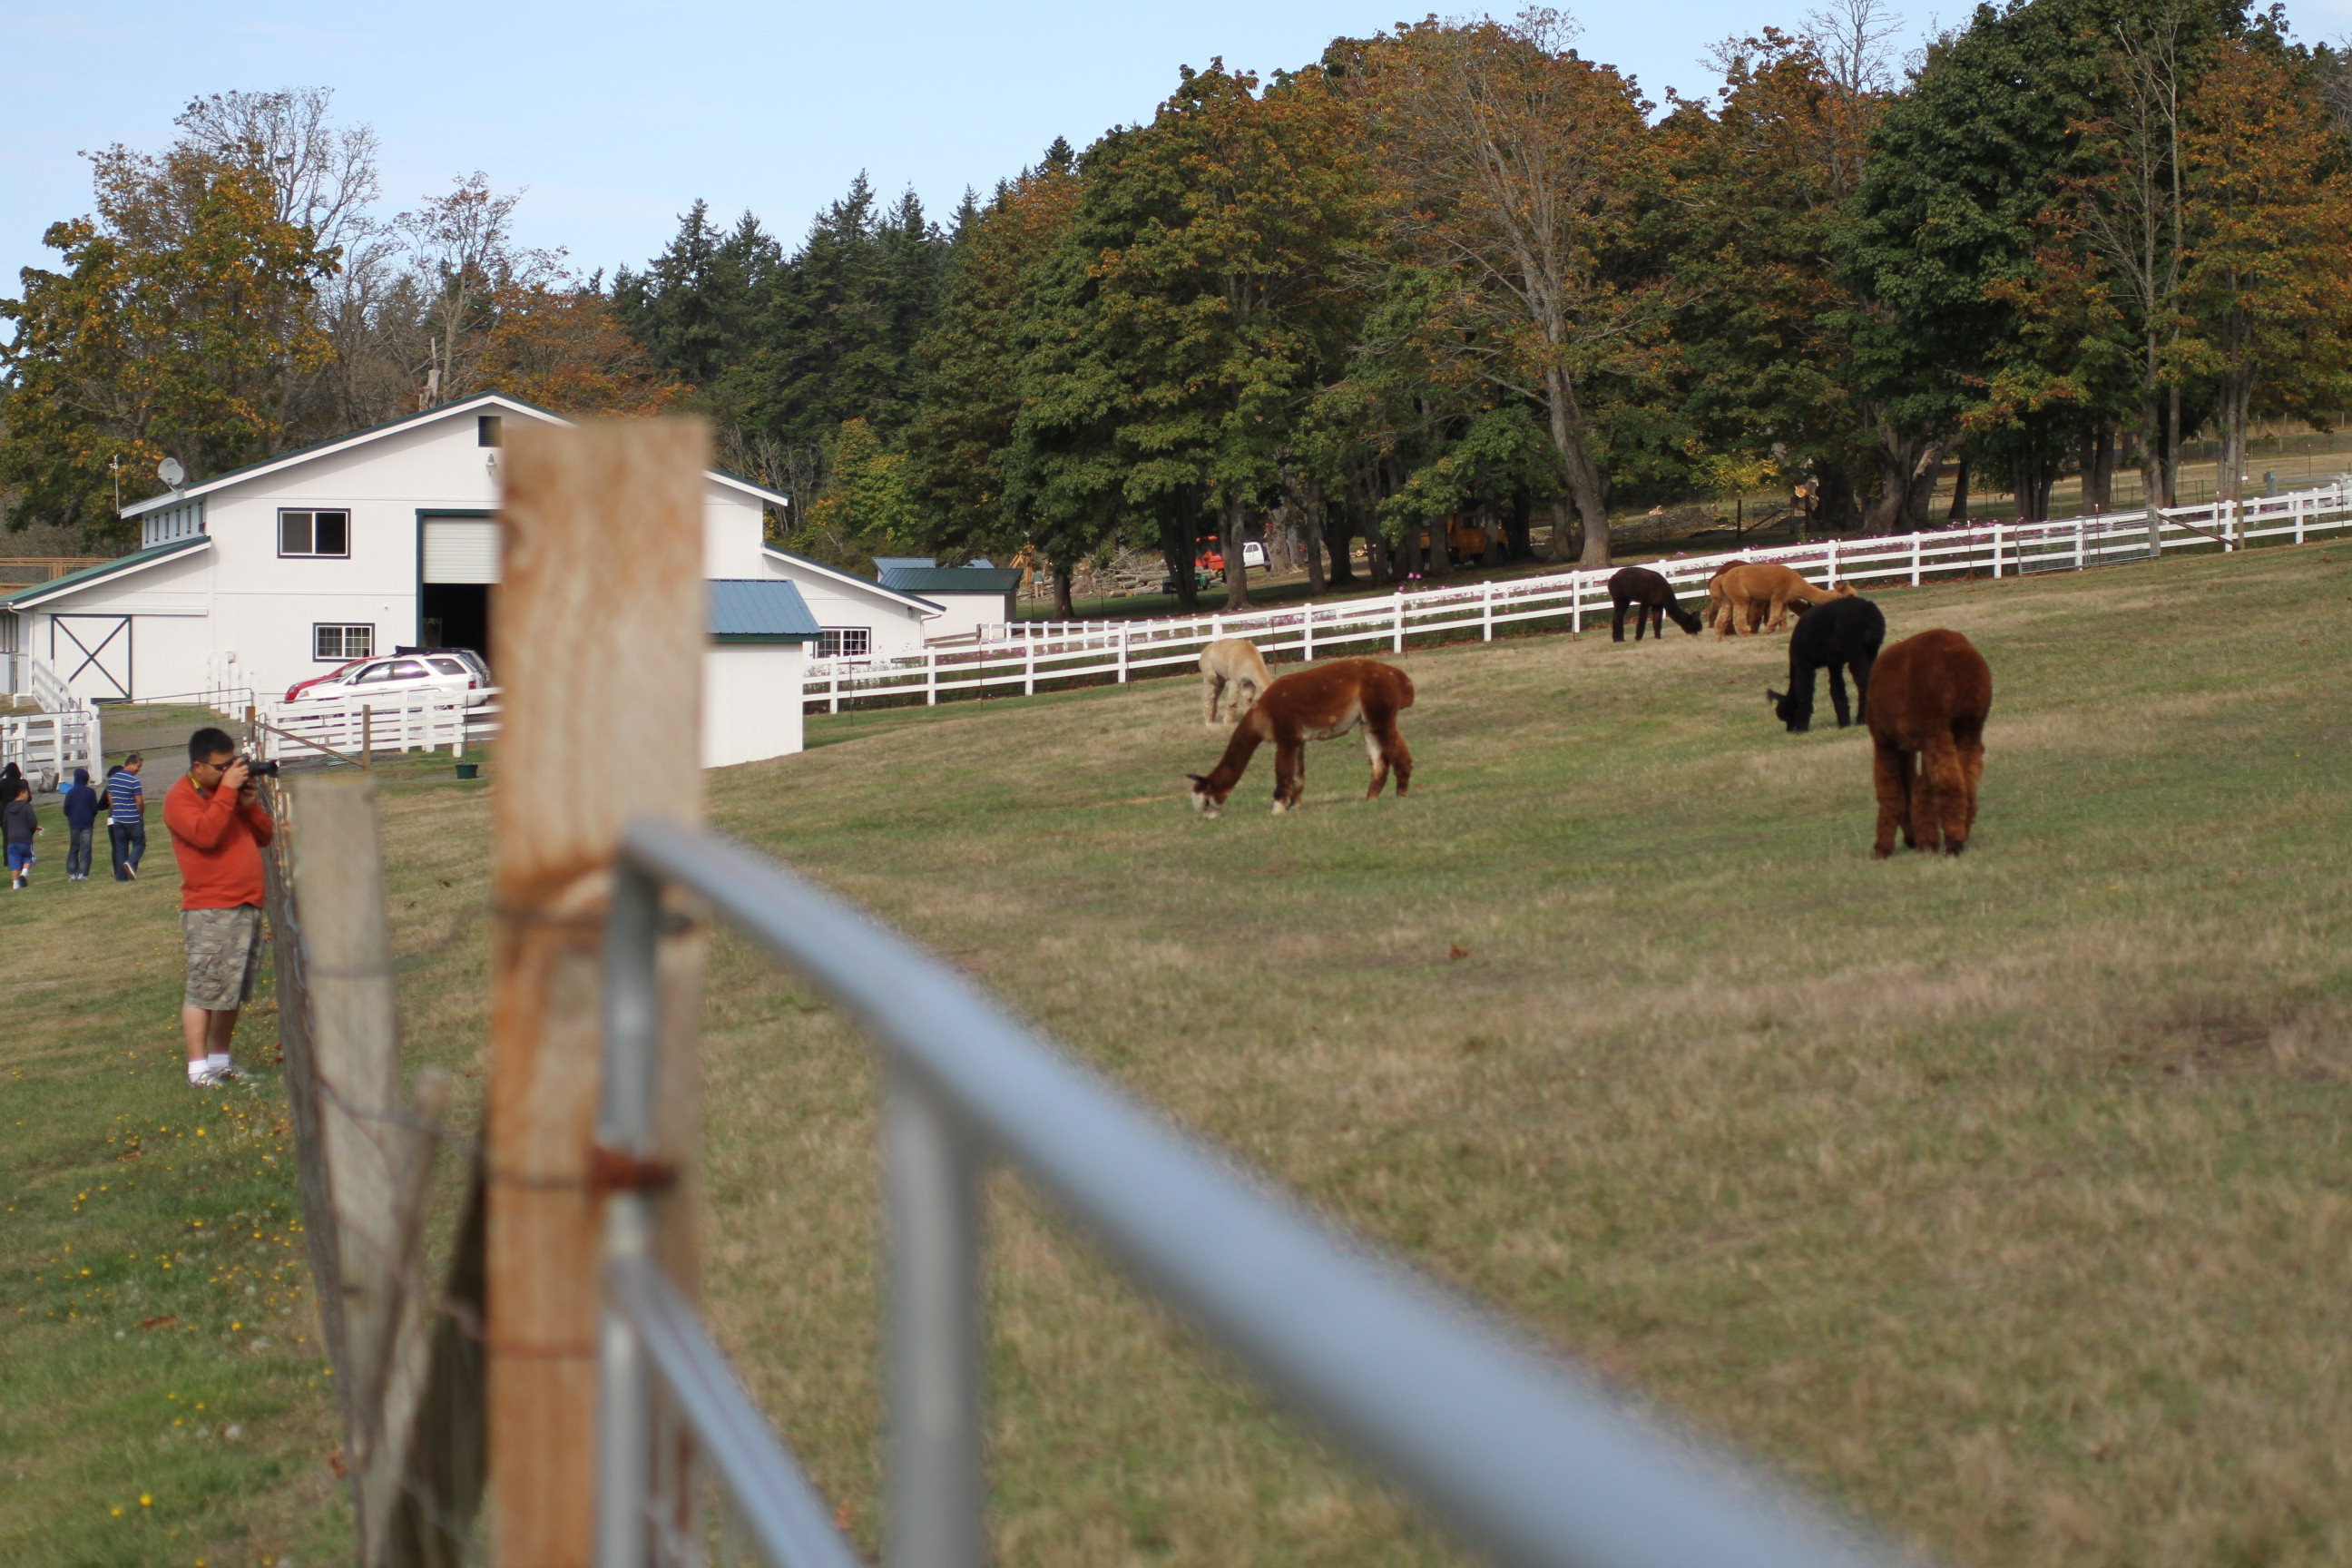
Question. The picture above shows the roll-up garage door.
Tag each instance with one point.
(461, 549)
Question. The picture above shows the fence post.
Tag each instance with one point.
(931, 678)
(1398, 641)
(833, 686)
(1124, 630)
(1833, 564)
(367, 734)
(1996, 551)
(1576, 604)
(1918, 540)
(2298, 520)
(1486, 610)
(1029, 669)
(577, 499)
(935, 1495)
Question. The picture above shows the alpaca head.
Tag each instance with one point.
(1206, 799)
(1783, 710)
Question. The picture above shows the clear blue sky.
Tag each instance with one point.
(616, 117)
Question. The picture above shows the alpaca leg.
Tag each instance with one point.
(1861, 689)
(1837, 695)
(1379, 760)
(1393, 754)
(1212, 690)
(1971, 775)
(1891, 778)
(1617, 625)
(1289, 772)
(1932, 767)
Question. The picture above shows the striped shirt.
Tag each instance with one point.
(126, 799)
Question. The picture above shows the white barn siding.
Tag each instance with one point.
(751, 702)
(964, 614)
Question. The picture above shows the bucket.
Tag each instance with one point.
(470, 770)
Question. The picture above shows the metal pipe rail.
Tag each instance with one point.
(1536, 1463)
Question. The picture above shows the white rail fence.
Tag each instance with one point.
(1019, 658)
(356, 729)
(47, 747)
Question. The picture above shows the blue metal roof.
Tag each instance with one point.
(26, 598)
(952, 579)
(759, 609)
(884, 564)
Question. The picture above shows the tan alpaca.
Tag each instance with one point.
(1233, 676)
(1744, 591)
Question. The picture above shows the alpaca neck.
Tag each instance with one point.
(1235, 762)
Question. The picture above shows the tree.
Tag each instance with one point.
(1516, 169)
(180, 320)
(868, 508)
(2269, 275)
(695, 306)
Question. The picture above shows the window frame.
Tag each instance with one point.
(314, 513)
(832, 642)
(344, 628)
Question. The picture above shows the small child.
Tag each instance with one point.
(19, 826)
(81, 807)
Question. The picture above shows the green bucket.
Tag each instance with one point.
(470, 770)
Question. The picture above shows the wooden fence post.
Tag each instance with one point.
(577, 759)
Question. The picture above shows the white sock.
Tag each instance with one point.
(196, 1069)
(218, 1061)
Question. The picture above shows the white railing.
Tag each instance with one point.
(355, 727)
(1017, 658)
(1532, 1459)
(47, 747)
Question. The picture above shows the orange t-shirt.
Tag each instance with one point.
(219, 845)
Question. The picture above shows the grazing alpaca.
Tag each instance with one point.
(1746, 587)
(1842, 635)
(1652, 598)
(1928, 698)
(1317, 703)
(1232, 676)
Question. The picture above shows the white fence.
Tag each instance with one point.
(1017, 658)
(355, 728)
(47, 747)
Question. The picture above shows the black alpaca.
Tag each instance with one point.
(1653, 600)
(1838, 634)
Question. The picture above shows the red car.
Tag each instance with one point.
(335, 674)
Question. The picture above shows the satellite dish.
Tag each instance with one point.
(170, 472)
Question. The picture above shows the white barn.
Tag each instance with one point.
(268, 574)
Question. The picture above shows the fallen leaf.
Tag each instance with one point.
(1457, 950)
(166, 1319)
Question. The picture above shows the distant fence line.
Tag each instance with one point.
(1020, 656)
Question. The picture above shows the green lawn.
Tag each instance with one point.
(2004, 1198)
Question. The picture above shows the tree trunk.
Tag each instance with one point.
(1907, 477)
(1840, 511)
(2099, 484)
(1176, 549)
(1585, 487)
(1517, 532)
(1957, 515)
(1340, 538)
(1562, 532)
(1441, 555)
(2172, 447)
(1063, 609)
(1236, 575)
(1314, 529)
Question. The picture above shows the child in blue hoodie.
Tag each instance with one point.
(82, 820)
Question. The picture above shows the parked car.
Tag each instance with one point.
(294, 692)
(1253, 554)
(403, 675)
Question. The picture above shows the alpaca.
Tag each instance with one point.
(1232, 676)
(1842, 635)
(1652, 598)
(1743, 587)
(1928, 698)
(1317, 703)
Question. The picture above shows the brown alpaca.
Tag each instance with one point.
(1317, 703)
(1744, 589)
(1927, 706)
(1232, 676)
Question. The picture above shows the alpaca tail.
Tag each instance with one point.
(1404, 690)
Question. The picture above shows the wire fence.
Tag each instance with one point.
(402, 1319)
(1028, 656)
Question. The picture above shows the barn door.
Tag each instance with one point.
(93, 653)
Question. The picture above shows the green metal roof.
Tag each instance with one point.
(26, 598)
(761, 609)
(952, 579)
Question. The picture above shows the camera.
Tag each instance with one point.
(257, 767)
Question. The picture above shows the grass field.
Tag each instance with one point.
(2006, 1198)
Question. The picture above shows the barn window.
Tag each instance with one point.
(845, 642)
(314, 533)
(490, 430)
(339, 643)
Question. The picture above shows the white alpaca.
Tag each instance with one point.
(1232, 677)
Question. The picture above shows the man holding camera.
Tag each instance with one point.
(218, 826)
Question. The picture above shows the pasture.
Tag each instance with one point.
(2005, 1197)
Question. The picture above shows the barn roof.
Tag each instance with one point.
(89, 577)
(929, 580)
(759, 609)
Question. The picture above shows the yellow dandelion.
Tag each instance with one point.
(146, 1501)
(115, 1511)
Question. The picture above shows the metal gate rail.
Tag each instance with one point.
(1518, 1452)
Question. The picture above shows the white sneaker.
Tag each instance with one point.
(204, 1077)
(222, 1074)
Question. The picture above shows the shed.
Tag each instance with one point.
(970, 597)
(760, 629)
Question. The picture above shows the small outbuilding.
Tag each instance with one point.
(968, 597)
(761, 632)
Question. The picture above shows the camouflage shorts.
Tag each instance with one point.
(223, 954)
